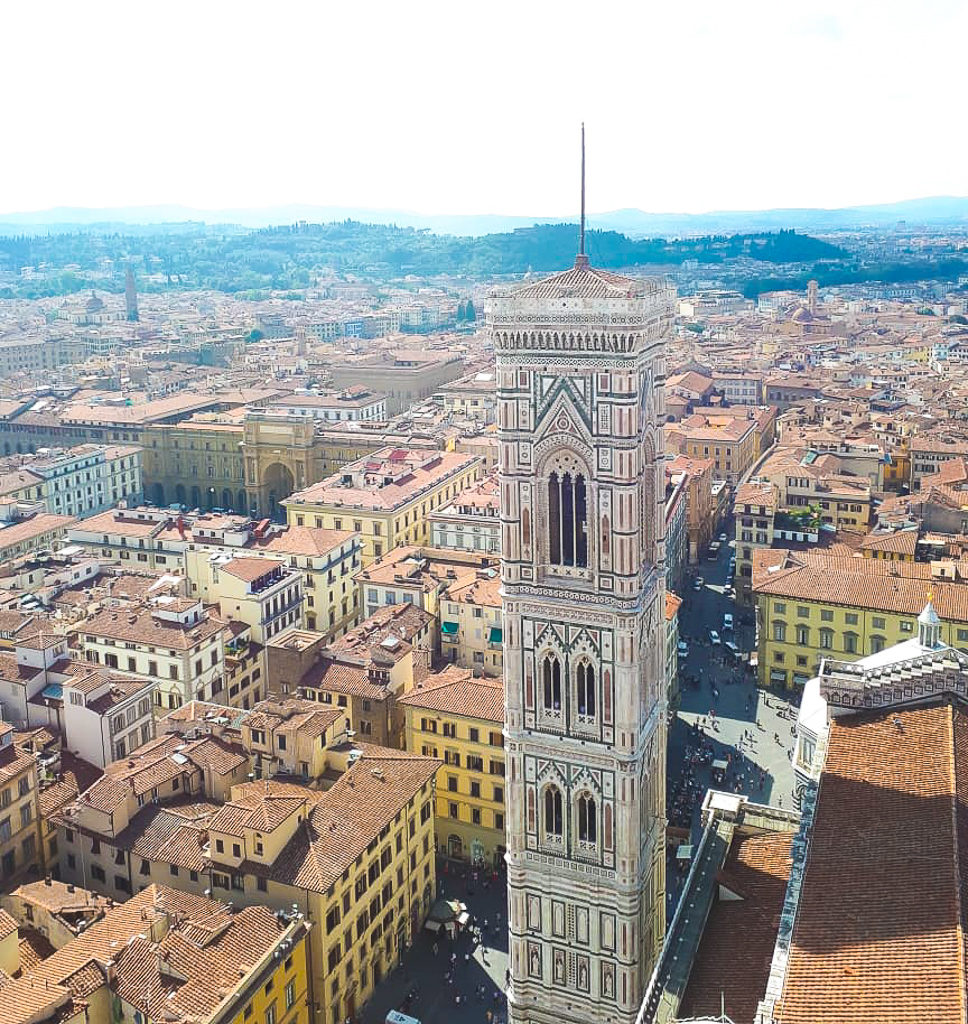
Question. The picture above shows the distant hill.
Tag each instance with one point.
(288, 257)
(634, 222)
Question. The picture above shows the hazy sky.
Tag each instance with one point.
(474, 107)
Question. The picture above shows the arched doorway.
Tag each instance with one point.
(158, 495)
(210, 498)
(279, 485)
(180, 494)
(227, 500)
(243, 505)
(196, 498)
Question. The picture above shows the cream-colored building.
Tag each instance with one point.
(175, 642)
(471, 522)
(471, 624)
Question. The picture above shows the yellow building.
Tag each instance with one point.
(733, 438)
(386, 497)
(812, 605)
(19, 819)
(197, 463)
(460, 718)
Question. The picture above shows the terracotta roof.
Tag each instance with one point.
(303, 540)
(879, 927)
(454, 691)
(250, 569)
(753, 493)
(756, 870)
(143, 626)
(896, 541)
(866, 583)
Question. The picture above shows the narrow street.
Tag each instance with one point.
(723, 716)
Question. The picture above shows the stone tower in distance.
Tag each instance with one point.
(130, 296)
(581, 365)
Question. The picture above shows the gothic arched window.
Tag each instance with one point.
(551, 683)
(567, 520)
(586, 689)
(587, 824)
(553, 825)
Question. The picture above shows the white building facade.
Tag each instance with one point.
(580, 364)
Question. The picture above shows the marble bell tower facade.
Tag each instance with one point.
(580, 368)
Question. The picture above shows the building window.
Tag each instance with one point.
(826, 639)
(850, 643)
(552, 812)
(586, 689)
(567, 520)
(587, 826)
(877, 644)
(779, 631)
(803, 636)
(551, 677)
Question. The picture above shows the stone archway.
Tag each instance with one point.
(180, 494)
(158, 495)
(227, 500)
(279, 484)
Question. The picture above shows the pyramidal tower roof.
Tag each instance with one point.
(583, 281)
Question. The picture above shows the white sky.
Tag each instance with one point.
(473, 107)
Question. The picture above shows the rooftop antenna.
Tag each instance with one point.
(581, 260)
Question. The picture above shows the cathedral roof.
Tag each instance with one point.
(586, 282)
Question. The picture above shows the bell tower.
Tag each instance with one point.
(580, 367)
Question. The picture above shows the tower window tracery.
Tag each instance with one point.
(587, 693)
(551, 683)
(553, 818)
(587, 819)
(568, 519)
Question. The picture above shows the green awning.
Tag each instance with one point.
(448, 627)
(496, 635)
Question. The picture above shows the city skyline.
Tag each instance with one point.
(753, 109)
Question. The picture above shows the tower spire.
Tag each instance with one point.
(581, 260)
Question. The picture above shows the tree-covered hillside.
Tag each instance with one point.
(289, 257)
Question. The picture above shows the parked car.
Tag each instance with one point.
(713, 552)
(683, 648)
(727, 622)
(698, 583)
(714, 637)
(733, 650)
(723, 538)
